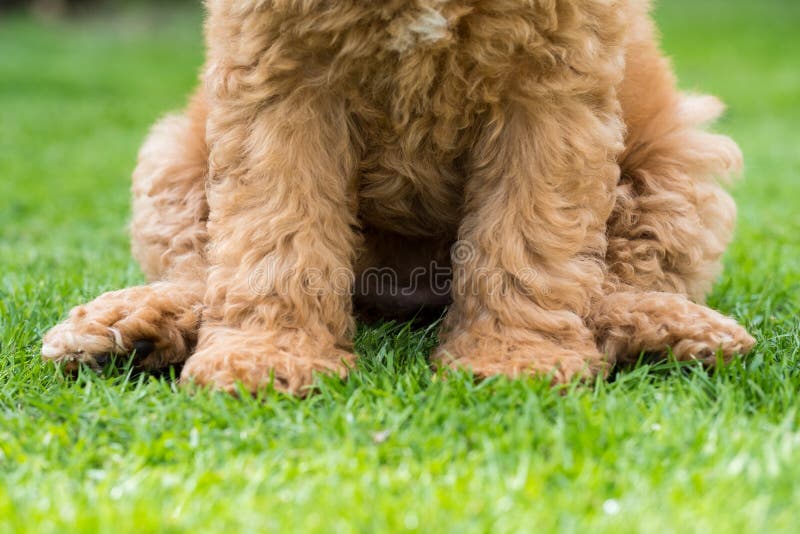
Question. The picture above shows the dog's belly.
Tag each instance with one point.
(400, 277)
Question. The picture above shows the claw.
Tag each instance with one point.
(142, 349)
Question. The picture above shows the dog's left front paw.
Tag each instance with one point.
(487, 356)
(228, 359)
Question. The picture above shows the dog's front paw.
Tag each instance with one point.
(155, 324)
(228, 359)
(487, 355)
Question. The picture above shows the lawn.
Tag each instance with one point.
(659, 448)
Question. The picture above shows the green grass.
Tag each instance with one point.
(661, 448)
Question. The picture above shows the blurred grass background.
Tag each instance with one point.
(662, 448)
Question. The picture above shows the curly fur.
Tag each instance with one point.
(333, 137)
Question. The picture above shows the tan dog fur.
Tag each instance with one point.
(546, 137)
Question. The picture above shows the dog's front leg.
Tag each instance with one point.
(529, 262)
(282, 231)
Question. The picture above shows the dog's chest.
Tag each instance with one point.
(418, 106)
(418, 78)
(426, 25)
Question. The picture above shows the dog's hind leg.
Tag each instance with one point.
(672, 220)
(156, 322)
(630, 323)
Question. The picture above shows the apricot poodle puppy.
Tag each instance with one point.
(539, 150)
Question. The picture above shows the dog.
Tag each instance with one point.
(539, 151)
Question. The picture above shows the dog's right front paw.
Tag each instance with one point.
(227, 359)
